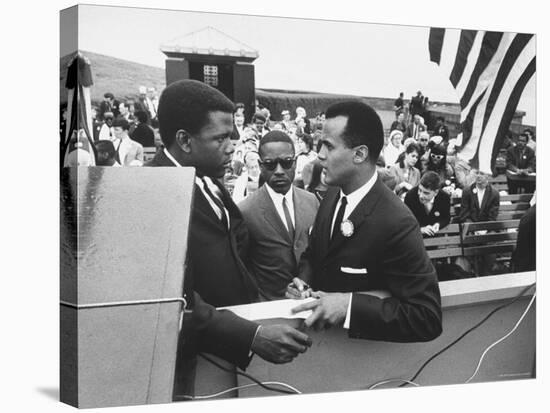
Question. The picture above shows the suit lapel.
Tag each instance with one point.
(299, 213)
(485, 197)
(358, 216)
(272, 216)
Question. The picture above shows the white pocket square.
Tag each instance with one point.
(350, 270)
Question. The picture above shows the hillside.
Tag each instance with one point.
(120, 77)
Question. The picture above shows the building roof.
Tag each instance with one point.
(209, 41)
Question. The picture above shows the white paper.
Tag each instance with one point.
(270, 309)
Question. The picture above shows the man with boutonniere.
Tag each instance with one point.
(366, 262)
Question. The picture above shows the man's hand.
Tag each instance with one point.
(298, 289)
(279, 343)
(329, 310)
(427, 230)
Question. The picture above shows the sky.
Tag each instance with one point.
(296, 54)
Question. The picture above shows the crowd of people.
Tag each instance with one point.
(301, 207)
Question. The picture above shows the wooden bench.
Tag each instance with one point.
(149, 153)
(500, 239)
(447, 243)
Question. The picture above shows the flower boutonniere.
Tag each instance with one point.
(474, 190)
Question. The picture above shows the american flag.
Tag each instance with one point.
(489, 71)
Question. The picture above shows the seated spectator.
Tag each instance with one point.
(248, 181)
(393, 149)
(430, 205)
(424, 150)
(314, 181)
(461, 167)
(106, 129)
(480, 200)
(441, 129)
(405, 173)
(305, 152)
(437, 162)
(128, 151)
(399, 124)
(520, 163)
(415, 127)
(106, 153)
(288, 125)
(238, 118)
(259, 123)
(301, 114)
(143, 133)
(531, 141)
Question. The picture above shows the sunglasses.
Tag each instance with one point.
(271, 164)
(438, 157)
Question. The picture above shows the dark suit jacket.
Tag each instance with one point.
(515, 159)
(470, 210)
(441, 210)
(274, 256)
(143, 134)
(215, 276)
(387, 247)
(409, 132)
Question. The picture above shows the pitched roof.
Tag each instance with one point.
(209, 41)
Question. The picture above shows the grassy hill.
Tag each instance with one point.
(120, 77)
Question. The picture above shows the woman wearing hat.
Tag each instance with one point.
(394, 148)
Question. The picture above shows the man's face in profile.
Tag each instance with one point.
(211, 147)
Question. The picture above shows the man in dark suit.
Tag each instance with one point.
(520, 162)
(196, 122)
(363, 239)
(430, 206)
(278, 216)
(415, 127)
(480, 201)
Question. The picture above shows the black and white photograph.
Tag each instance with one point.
(259, 207)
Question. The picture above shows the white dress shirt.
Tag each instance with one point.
(278, 202)
(353, 200)
(211, 185)
(480, 193)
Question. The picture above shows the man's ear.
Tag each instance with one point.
(183, 140)
(361, 154)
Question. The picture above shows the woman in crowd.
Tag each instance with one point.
(304, 149)
(314, 179)
(437, 162)
(405, 173)
(394, 148)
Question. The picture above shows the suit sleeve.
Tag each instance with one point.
(511, 160)
(465, 210)
(445, 217)
(492, 213)
(223, 333)
(413, 310)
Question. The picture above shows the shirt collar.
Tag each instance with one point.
(356, 196)
(276, 197)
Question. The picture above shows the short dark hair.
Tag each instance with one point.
(363, 126)
(525, 135)
(109, 95)
(105, 145)
(121, 122)
(430, 180)
(141, 116)
(186, 105)
(258, 115)
(275, 136)
(441, 118)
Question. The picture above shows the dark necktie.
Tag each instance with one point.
(339, 217)
(288, 220)
(217, 201)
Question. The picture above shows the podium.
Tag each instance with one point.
(123, 251)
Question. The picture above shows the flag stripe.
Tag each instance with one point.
(488, 50)
(467, 125)
(448, 51)
(435, 44)
(510, 59)
(511, 107)
(464, 46)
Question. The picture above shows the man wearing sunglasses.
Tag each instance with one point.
(279, 217)
(196, 123)
(365, 239)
